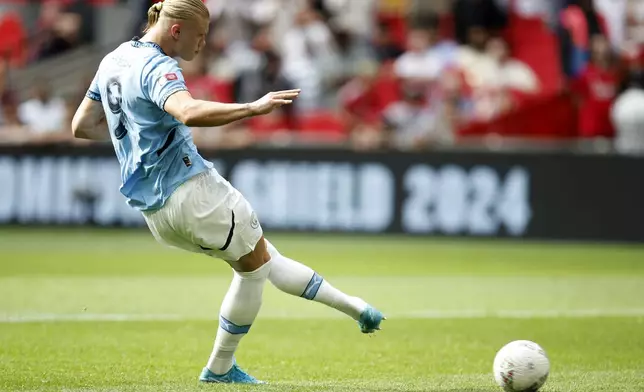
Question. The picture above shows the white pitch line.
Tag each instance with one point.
(53, 317)
(524, 314)
(419, 314)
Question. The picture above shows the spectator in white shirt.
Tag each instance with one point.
(310, 57)
(426, 56)
(511, 73)
(614, 12)
(628, 118)
(533, 9)
(627, 115)
(409, 123)
(474, 60)
(634, 28)
(356, 17)
(43, 114)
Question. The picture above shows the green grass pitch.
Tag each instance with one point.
(102, 310)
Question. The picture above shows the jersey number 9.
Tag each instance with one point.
(114, 100)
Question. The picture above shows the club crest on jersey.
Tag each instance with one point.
(171, 76)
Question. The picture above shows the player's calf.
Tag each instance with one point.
(297, 279)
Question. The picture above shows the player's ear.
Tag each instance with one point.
(175, 31)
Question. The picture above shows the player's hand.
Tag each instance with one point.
(273, 100)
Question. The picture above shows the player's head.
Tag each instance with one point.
(185, 24)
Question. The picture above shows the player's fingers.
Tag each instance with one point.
(297, 90)
(286, 95)
(282, 101)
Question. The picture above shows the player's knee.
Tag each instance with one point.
(255, 259)
(262, 250)
(249, 263)
(271, 250)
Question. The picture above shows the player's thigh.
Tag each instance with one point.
(208, 215)
(173, 239)
(163, 226)
(226, 226)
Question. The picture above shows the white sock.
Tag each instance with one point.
(297, 279)
(238, 311)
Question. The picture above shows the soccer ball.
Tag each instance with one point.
(521, 366)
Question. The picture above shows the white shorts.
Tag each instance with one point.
(207, 215)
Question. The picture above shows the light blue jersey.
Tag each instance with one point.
(156, 151)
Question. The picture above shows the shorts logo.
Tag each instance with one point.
(254, 223)
(171, 76)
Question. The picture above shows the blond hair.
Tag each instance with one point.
(176, 9)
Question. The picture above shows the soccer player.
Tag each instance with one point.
(139, 101)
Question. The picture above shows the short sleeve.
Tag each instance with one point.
(94, 93)
(163, 79)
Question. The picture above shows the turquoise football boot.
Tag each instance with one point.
(234, 376)
(370, 320)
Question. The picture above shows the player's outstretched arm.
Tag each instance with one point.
(89, 121)
(198, 113)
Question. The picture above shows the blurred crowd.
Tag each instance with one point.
(374, 74)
